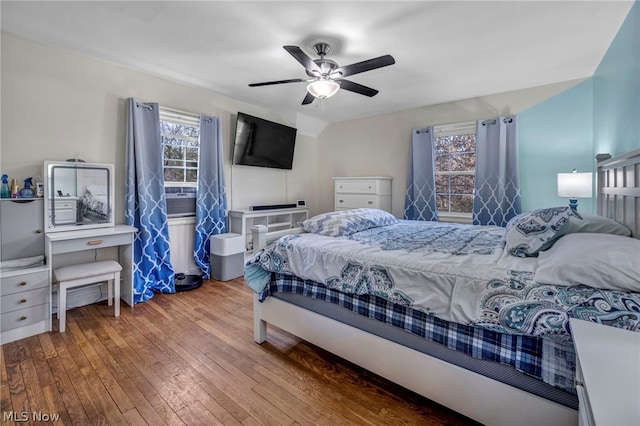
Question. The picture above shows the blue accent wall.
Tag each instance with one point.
(555, 136)
(599, 115)
(616, 91)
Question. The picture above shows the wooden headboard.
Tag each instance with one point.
(618, 194)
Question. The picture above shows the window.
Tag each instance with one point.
(180, 137)
(455, 160)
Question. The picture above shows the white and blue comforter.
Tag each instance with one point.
(459, 273)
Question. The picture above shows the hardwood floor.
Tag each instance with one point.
(189, 358)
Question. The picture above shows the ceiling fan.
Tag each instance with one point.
(326, 77)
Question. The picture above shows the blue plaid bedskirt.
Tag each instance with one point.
(547, 359)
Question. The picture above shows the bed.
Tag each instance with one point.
(490, 339)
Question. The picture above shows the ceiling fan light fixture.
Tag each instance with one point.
(323, 88)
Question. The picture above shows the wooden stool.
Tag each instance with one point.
(87, 273)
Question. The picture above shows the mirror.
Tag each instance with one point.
(78, 195)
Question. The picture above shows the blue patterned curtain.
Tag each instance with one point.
(146, 207)
(420, 200)
(497, 185)
(211, 205)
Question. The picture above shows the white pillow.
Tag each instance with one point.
(585, 222)
(602, 261)
(96, 189)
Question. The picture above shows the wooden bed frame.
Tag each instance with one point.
(619, 190)
(471, 394)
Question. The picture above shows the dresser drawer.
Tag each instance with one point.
(359, 186)
(66, 246)
(355, 201)
(64, 204)
(24, 317)
(24, 282)
(25, 299)
(64, 216)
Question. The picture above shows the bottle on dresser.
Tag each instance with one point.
(5, 192)
(14, 188)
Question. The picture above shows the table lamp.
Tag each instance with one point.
(575, 185)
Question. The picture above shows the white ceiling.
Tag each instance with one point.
(444, 50)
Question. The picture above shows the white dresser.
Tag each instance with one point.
(607, 374)
(359, 192)
(66, 210)
(24, 293)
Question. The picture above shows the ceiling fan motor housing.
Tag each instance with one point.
(327, 66)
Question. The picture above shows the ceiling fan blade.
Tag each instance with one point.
(308, 99)
(371, 64)
(303, 58)
(268, 83)
(357, 88)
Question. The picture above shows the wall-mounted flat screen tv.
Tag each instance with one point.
(263, 143)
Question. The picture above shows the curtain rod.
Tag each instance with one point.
(505, 120)
(177, 112)
(493, 121)
(142, 105)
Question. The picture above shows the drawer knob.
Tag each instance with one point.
(38, 231)
(94, 242)
(23, 300)
(370, 202)
(23, 283)
(22, 318)
(341, 201)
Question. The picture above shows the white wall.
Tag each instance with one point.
(258, 186)
(57, 104)
(379, 146)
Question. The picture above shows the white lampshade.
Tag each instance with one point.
(323, 88)
(574, 185)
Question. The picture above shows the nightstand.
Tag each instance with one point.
(607, 374)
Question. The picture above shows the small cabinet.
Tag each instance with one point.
(361, 192)
(277, 221)
(25, 292)
(607, 358)
(21, 223)
(24, 302)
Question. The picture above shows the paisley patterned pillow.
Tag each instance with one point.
(347, 222)
(537, 230)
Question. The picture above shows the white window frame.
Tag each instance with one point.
(455, 129)
(180, 117)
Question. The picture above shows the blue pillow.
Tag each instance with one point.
(346, 222)
(529, 233)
